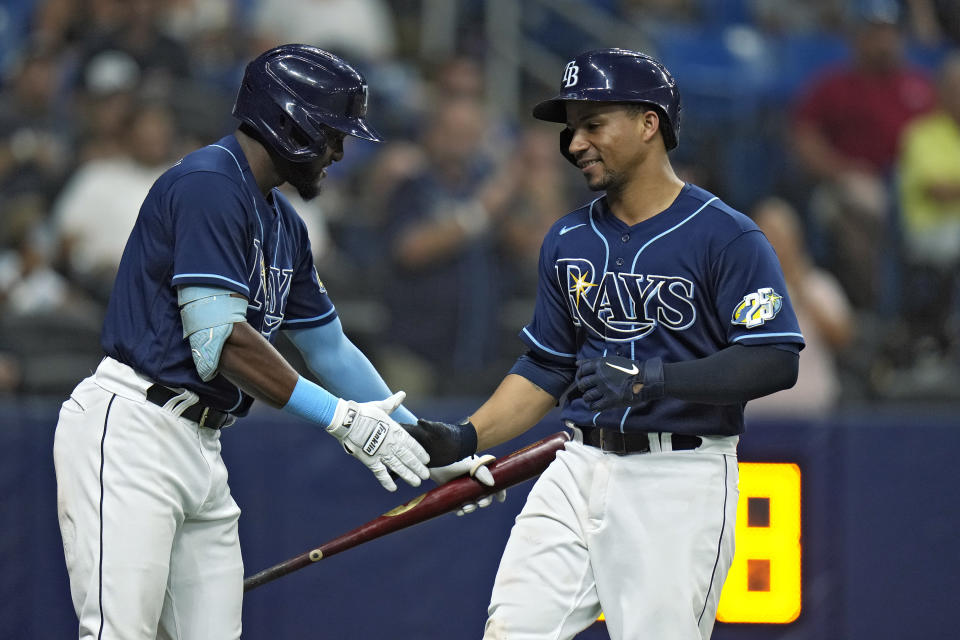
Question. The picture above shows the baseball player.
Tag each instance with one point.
(217, 264)
(660, 312)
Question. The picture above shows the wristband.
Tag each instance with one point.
(468, 438)
(312, 402)
(652, 379)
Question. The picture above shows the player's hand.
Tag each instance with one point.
(369, 434)
(445, 443)
(612, 381)
(476, 467)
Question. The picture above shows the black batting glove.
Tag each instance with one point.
(445, 443)
(613, 381)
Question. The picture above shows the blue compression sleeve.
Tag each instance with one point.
(311, 402)
(733, 375)
(342, 367)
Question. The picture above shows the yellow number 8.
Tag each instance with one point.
(763, 585)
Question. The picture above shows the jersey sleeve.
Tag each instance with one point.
(550, 334)
(751, 294)
(211, 235)
(309, 305)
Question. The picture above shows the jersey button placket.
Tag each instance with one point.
(619, 262)
(625, 237)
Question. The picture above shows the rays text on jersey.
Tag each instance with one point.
(271, 292)
(622, 307)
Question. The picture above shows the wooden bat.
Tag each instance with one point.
(510, 470)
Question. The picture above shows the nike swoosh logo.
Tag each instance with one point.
(576, 226)
(633, 370)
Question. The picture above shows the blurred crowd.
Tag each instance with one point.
(834, 123)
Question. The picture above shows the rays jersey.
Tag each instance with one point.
(205, 222)
(682, 285)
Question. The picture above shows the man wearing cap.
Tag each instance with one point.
(660, 311)
(217, 264)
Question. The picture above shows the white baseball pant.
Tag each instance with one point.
(645, 538)
(148, 524)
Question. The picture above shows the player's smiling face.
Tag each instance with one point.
(609, 141)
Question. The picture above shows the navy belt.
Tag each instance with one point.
(204, 416)
(613, 441)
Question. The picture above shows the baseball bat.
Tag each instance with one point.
(510, 470)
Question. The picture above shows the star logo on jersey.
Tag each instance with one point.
(758, 307)
(269, 296)
(580, 285)
(263, 271)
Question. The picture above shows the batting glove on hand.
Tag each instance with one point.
(446, 443)
(612, 381)
(369, 434)
(476, 467)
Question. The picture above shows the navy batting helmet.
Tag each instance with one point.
(290, 92)
(617, 75)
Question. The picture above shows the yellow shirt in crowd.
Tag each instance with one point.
(931, 153)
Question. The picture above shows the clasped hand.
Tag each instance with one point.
(453, 447)
(613, 381)
(368, 433)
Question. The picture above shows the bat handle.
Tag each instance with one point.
(278, 571)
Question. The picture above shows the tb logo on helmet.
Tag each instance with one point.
(571, 74)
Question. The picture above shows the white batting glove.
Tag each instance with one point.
(476, 467)
(369, 434)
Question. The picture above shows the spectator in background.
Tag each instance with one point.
(28, 282)
(463, 77)
(661, 12)
(442, 237)
(105, 98)
(823, 311)
(846, 135)
(544, 191)
(216, 43)
(935, 22)
(35, 144)
(359, 191)
(790, 16)
(459, 76)
(85, 29)
(96, 210)
(136, 27)
(48, 330)
(185, 53)
(362, 30)
(930, 204)
(69, 24)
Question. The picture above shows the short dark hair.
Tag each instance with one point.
(634, 109)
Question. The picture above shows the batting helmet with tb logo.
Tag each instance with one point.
(617, 75)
